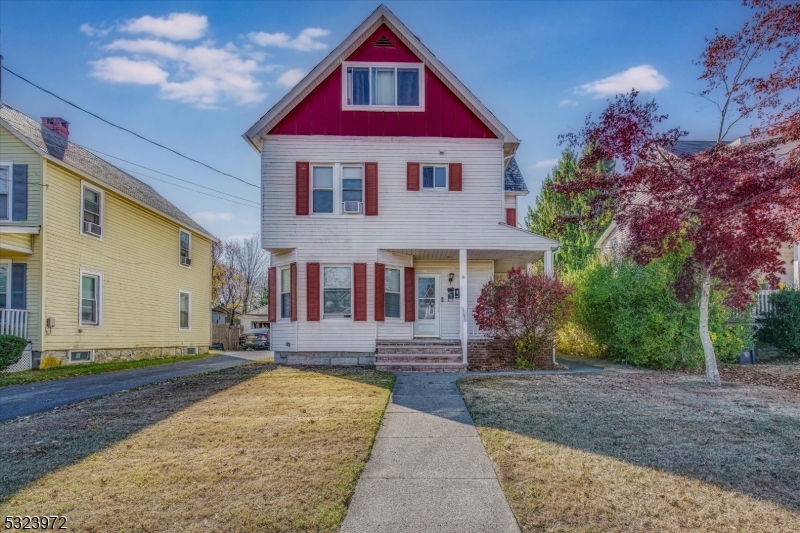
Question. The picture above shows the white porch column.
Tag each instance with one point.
(462, 289)
(796, 266)
(548, 263)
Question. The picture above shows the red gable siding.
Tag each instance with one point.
(320, 113)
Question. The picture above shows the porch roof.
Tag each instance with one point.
(451, 254)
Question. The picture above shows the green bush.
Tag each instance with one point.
(781, 326)
(631, 313)
(11, 349)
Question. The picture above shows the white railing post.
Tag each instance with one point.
(462, 298)
(14, 322)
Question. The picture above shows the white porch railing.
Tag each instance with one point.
(472, 327)
(14, 322)
(762, 303)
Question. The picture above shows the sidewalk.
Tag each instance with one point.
(23, 400)
(428, 470)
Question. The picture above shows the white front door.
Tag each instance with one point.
(427, 319)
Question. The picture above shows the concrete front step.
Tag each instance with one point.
(418, 358)
(420, 367)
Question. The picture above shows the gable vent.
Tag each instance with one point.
(384, 42)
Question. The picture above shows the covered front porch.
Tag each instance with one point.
(439, 323)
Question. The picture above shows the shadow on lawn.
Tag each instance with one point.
(736, 438)
(34, 446)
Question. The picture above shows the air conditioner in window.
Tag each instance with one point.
(352, 207)
(186, 261)
(92, 228)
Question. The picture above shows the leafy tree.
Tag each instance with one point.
(569, 219)
(734, 203)
(239, 275)
(524, 311)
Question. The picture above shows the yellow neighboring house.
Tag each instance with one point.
(94, 264)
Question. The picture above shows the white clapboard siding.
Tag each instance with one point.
(407, 219)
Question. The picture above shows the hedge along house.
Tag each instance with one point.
(389, 198)
(94, 264)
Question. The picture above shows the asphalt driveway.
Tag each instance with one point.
(23, 400)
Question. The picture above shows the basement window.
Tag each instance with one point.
(80, 356)
(390, 86)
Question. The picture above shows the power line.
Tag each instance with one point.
(187, 188)
(126, 129)
(168, 175)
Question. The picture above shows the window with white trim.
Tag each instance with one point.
(91, 303)
(286, 293)
(92, 209)
(80, 356)
(434, 176)
(185, 243)
(397, 86)
(392, 299)
(185, 310)
(6, 189)
(337, 189)
(5, 283)
(337, 292)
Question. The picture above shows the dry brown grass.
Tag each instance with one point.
(251, 448)
(641, 451)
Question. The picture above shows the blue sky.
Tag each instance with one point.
(196, 75)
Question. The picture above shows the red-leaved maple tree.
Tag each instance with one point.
(524, 311)
(738, 202)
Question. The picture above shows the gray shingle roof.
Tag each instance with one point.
(95, 168)
(691, 147)
(514, 180)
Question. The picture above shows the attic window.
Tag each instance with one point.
(387, 86)
(384, 42)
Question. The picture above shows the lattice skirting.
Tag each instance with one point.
(25, 362)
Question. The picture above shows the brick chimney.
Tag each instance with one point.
(57, 124)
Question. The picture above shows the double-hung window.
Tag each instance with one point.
(392, 292)
(5, 284)
(434, 176)
(398, 86)
(92, 219)
(184, 310)
(185, 243)
(286, 293)
(5, 191)
(91, 303)
(337, 189)
(337, 292)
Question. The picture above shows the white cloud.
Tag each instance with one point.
(176, 26)
(290, 78)
(546, 163)
(642, 78)
(203, 75)
(123, 70)
(567, 102)
(305, 41)
(205, 217)
(91, 31)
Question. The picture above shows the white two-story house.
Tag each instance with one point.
(389, 196)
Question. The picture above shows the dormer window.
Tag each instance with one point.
(375, 86)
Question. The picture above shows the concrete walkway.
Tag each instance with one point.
(429, 471)
(23, 400)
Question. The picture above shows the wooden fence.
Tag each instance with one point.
(227, 335)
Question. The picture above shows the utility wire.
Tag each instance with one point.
(168, 175)
(187, 188)
(126, 129)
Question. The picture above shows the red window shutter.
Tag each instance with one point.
(371, 189)
(360, 292)
(408, 273)
(272, 294)
(511, 216)
(312, 291)
(412, 177)
(293, 288)
(380, 292)
(455, 176)
(301, 190)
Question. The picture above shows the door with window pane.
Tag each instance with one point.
(426, 323)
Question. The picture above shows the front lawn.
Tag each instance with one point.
(249, 448)
(84, 369)
(636, 450)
